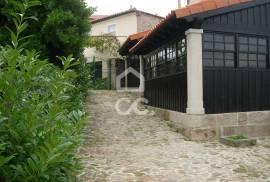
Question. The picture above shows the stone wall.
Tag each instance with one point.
(213, 126)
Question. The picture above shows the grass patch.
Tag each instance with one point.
(237, 137)
(179, 130)
(240, 169)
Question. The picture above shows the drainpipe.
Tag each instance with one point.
(126, 78)
(142, 86)
(179, 3)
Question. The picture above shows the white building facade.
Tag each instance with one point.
(120, 25)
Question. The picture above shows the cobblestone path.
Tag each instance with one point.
(145, 149)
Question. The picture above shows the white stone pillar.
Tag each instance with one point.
(141, 75)
(126, 78)
(113, 74)
(194, 72)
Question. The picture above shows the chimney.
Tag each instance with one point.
(179, 3)
(192, 1)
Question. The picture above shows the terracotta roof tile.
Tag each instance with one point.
(206, 5)
(97, 17)
(184, 12)
(233, 2)
(223, 3)
(199, 7)
(154, 28)
(132, 40)
(209, 5)
(138, 35)
(196, 8)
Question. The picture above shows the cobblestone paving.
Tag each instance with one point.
(145, 149)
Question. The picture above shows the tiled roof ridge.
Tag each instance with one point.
(138, 35)
(154, 28)
(134, 37)
(126, 12)
(206, 5)
(192, 9)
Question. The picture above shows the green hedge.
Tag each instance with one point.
(41, 112)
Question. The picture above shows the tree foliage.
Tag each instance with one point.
(62, 28)
(105, 42)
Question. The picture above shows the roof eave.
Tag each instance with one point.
(131, 41)
(121, 50)
(124, 13)
(200, 16)
(171, 15)
(224, 10)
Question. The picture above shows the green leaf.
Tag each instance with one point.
(22, 27)
(32, 18)
(25, 37)
(15, 21)
(5, 160)
(24, 44)
(33, 3)
(13, 38)
(3, 119)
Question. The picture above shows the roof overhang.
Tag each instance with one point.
(131, 41)
(182, 19)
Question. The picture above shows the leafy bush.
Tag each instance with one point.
(40, 124)
(100, 84)
(58, 30)
(62, 28)
(85, 74)
(95, 81)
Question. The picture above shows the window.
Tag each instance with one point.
(171, 52)
(208, 59)
(148, 63)
(162, 56)
(112, 29)
(153, 65)
(252, 52)
(168, 59)
(148, 68)
(153, 61)
(219, 50)
(182, 47)
(182, 53)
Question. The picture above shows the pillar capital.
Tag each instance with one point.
(194, 31)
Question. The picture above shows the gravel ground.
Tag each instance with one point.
(145, 149)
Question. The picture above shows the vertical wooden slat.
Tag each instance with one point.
(236, 90)
(168, 92)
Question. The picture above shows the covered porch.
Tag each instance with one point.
(206, 68)
(172, 73)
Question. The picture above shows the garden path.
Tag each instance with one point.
(145, 149)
